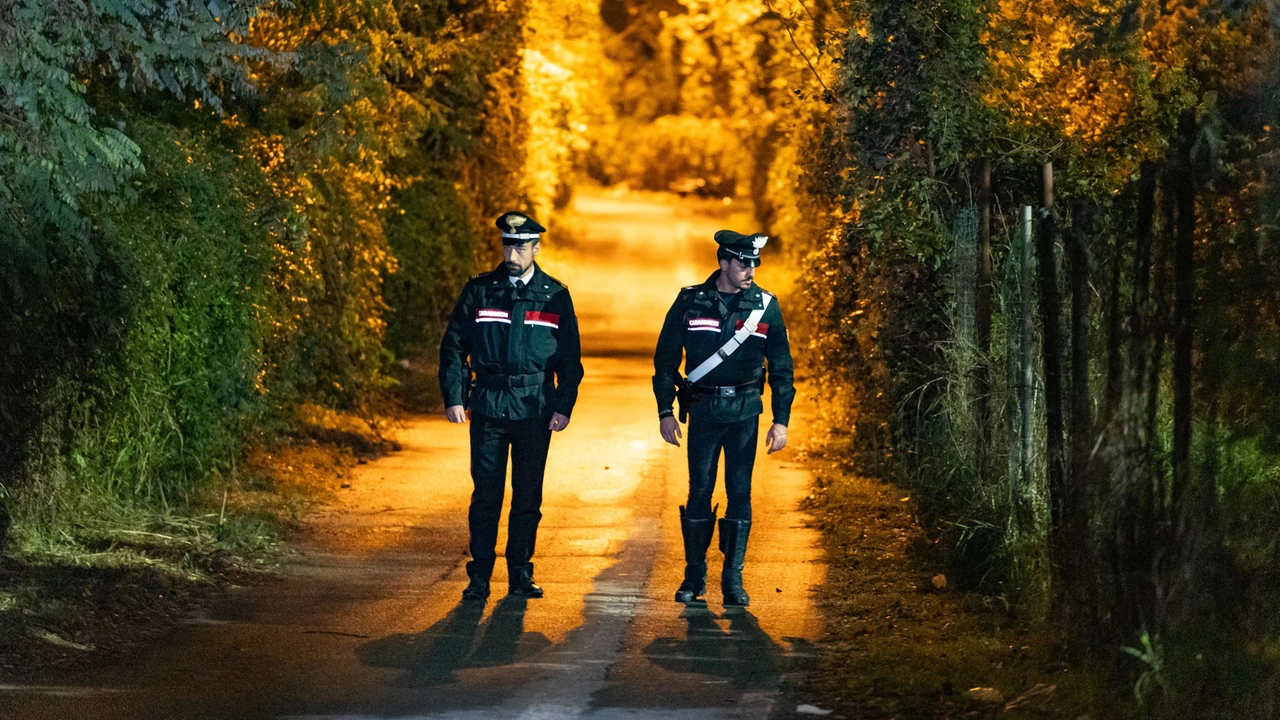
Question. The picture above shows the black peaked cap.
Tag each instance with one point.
(518, 228)
(744, 247)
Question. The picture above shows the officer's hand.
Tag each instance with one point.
(559, 422)
(670, 429)
(777, 438)
(456, 414)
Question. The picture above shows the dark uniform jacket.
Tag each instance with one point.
(698, 325)
(523, 348)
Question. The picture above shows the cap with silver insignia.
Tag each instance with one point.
(518, 228)
(746, 248)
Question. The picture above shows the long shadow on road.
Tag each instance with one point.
(434, 656)
(741, 653)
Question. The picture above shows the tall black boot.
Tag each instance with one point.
(479, 572)
(520, 580)
(733, 543)
(697, 538)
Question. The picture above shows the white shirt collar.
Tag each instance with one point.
(523, 278)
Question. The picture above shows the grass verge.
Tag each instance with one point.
(105, 584)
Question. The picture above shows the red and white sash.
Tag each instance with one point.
(748, 328)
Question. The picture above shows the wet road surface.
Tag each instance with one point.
(367, 622)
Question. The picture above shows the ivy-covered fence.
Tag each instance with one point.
(1044, 303)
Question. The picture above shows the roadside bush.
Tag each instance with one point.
(433, 243)
(162, 399)
(201, 217)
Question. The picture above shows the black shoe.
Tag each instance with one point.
(478, 589)
(697, 538)
(733, 543)
(520, 579)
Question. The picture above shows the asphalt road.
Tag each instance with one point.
(367, 621)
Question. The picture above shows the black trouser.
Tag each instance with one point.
(706, 440)
(491, 439)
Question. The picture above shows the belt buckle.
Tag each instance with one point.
(726, 392)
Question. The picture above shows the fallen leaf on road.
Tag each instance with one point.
(811, 710)
(985, 695)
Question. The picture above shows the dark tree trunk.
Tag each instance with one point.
(1080, 430)
(1134, 514)
(1158, 304)
(1109, 467)
(1114, 398)
(1081, 420)
(1051, 345)
(1138, 326)
(1192, 496)
(1076, 488)
(1183, 310)
(1159, 534)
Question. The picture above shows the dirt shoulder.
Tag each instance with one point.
(901, 644)
(109, 588)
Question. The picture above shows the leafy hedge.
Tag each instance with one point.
(218, 212)
(1112, 489)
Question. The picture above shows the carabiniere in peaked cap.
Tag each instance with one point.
(746, 248)
(518, 228)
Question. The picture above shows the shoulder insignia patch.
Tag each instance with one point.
(556, 281)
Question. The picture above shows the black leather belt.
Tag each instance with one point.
(494, 381)
(724, 391)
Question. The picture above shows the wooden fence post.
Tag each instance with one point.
(1051, 346)
(1027, 336)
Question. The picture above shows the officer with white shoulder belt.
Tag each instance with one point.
(731, 336)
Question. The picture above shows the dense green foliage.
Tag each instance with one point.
(70, 277)
(217, 212)
(1141, 497)
(161, 351)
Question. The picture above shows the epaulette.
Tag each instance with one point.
(687, 294)
(556, 281)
